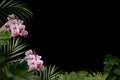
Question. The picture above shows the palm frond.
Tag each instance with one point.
(2, 2)
(14, 47)
(18, 8)
(50, 73)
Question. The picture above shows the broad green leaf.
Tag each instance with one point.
(4, 37)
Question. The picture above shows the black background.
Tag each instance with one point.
(74, 35)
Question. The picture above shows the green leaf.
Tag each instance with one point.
(4, 37)
(96, 76)
(17, 71)
(111, 60)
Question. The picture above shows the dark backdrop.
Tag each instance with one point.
(74, 35)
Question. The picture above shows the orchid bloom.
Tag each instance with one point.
(15, 26)
(34, 61)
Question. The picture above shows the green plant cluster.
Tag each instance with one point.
(111, 71)
(12, 68)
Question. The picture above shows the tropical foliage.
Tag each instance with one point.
(50, 73)
(30, 67)
(80, 75)
(4, 37)
(14, 48)
(16, 71)
(18, 8)
(111, 71)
